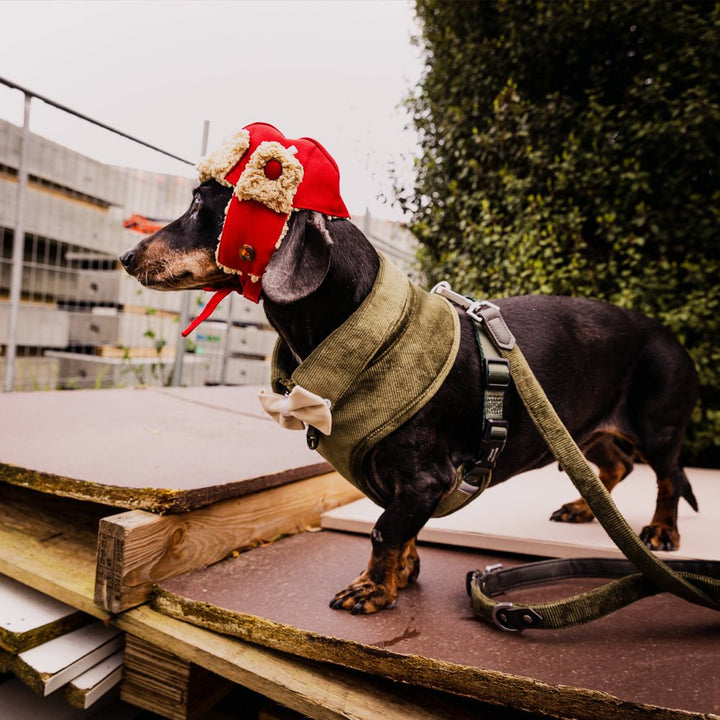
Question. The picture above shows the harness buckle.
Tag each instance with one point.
(497, 373)
(474, 310)
(493, 441)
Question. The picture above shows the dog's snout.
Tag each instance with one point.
(128, 260)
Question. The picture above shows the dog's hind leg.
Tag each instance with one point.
(660, 402)
(614, 464)
(662, 532)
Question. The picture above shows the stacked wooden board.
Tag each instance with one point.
(53, 648)
(167, 489)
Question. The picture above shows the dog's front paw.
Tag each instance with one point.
(659, 536)
(573, 512)
(363, 596)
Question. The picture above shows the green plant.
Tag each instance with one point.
(572, 147)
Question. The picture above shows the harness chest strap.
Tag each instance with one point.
(473, 479)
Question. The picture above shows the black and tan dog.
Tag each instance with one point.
(623, 386)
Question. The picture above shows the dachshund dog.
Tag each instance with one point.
(624, 387)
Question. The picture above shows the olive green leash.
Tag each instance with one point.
(696, 581)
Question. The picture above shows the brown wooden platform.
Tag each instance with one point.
(156, 449)
(48, 543)
(657, 658)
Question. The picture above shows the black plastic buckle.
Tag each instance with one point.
(493, 441)
(497, 374)
(312, 437)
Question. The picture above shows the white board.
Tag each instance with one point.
(25, 610)
(59, 661)
(96, 682)
(514, 517)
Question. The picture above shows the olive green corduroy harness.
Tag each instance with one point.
(377, 369)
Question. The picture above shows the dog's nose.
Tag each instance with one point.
(127, 259)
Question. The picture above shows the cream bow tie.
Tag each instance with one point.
(300, 406)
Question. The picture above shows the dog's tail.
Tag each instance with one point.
(687, 492)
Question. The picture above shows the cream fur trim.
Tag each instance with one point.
(225, 268)
(219, 163)
(255, 185)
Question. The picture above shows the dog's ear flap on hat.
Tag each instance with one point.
(298, 267)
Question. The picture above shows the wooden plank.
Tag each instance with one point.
(137, 549)
(49, 543)
(316, 690)
(29, 618)
(157, 449)
(165, 684)
(94, 684)
(514, 517)
(49, 666)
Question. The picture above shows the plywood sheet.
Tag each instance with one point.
(157, 449)
(514, 517)
(659, 652)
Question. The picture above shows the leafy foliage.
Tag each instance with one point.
(573, 147)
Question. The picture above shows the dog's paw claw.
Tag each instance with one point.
(660, 537)
(362, 598)
(573, 512)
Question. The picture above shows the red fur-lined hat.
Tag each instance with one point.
(271, 175)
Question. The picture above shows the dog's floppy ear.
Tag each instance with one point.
(298, 267)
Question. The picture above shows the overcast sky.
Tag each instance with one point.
(335, 70)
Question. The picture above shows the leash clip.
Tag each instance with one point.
(474, 311)
(514, 619)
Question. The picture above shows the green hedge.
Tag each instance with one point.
(574, 148)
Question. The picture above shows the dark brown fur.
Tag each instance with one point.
(621, 383)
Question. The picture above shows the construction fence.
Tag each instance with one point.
(70, 317)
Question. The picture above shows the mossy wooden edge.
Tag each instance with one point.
(489, 686)
(155, 500)
(6, 659)
(30, 676)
